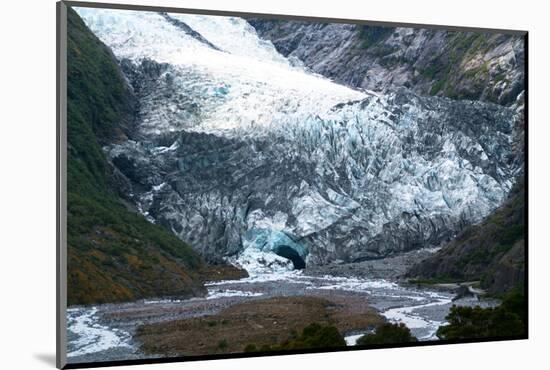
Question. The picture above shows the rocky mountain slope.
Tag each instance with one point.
(466, 65)
(244, 153)
(114, 253)
(492, 251)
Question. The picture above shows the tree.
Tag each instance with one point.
(388, 334)
(313, 336)
(506, 320)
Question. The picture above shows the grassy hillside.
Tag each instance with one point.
(492, 252)
(114, 254)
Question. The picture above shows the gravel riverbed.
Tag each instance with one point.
(106, 332)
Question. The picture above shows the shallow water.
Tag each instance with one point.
(86, 334)
(94, 334)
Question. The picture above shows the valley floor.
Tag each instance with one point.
(258, 310)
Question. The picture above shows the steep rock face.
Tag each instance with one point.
(492, 251)
(477, 66)
(114, 254)
(240, 149)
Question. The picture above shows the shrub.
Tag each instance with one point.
(313, 336)
(316, 336)
(222, 344)
(506, 320)
(388, 334)
(250, 348)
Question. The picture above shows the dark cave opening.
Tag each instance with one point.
(291, 254)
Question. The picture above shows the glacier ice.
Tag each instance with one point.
(235, 142)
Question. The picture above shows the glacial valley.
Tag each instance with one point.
(323, 188)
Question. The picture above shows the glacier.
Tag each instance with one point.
(246, 154)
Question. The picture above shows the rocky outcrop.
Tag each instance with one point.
(463, 65)
(492, 251)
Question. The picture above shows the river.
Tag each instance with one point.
(104, 332)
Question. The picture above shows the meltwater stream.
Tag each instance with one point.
(423, 311)
(104, 332)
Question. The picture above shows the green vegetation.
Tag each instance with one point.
(222, 344)
(114, 254)
(271, 324)
(388, 334)
(506, 230)
(437, 86)
(371, 35)
(250, 348)
(506, 320)
(491, 252)
(444, 68)
(313, 336)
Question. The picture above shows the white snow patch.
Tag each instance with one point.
(262, 91)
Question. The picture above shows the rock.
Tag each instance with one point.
(478, 66)
(463, 291)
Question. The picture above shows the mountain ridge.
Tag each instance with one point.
(114, 254)
(457, 64)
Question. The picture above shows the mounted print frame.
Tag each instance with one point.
(237, 184)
